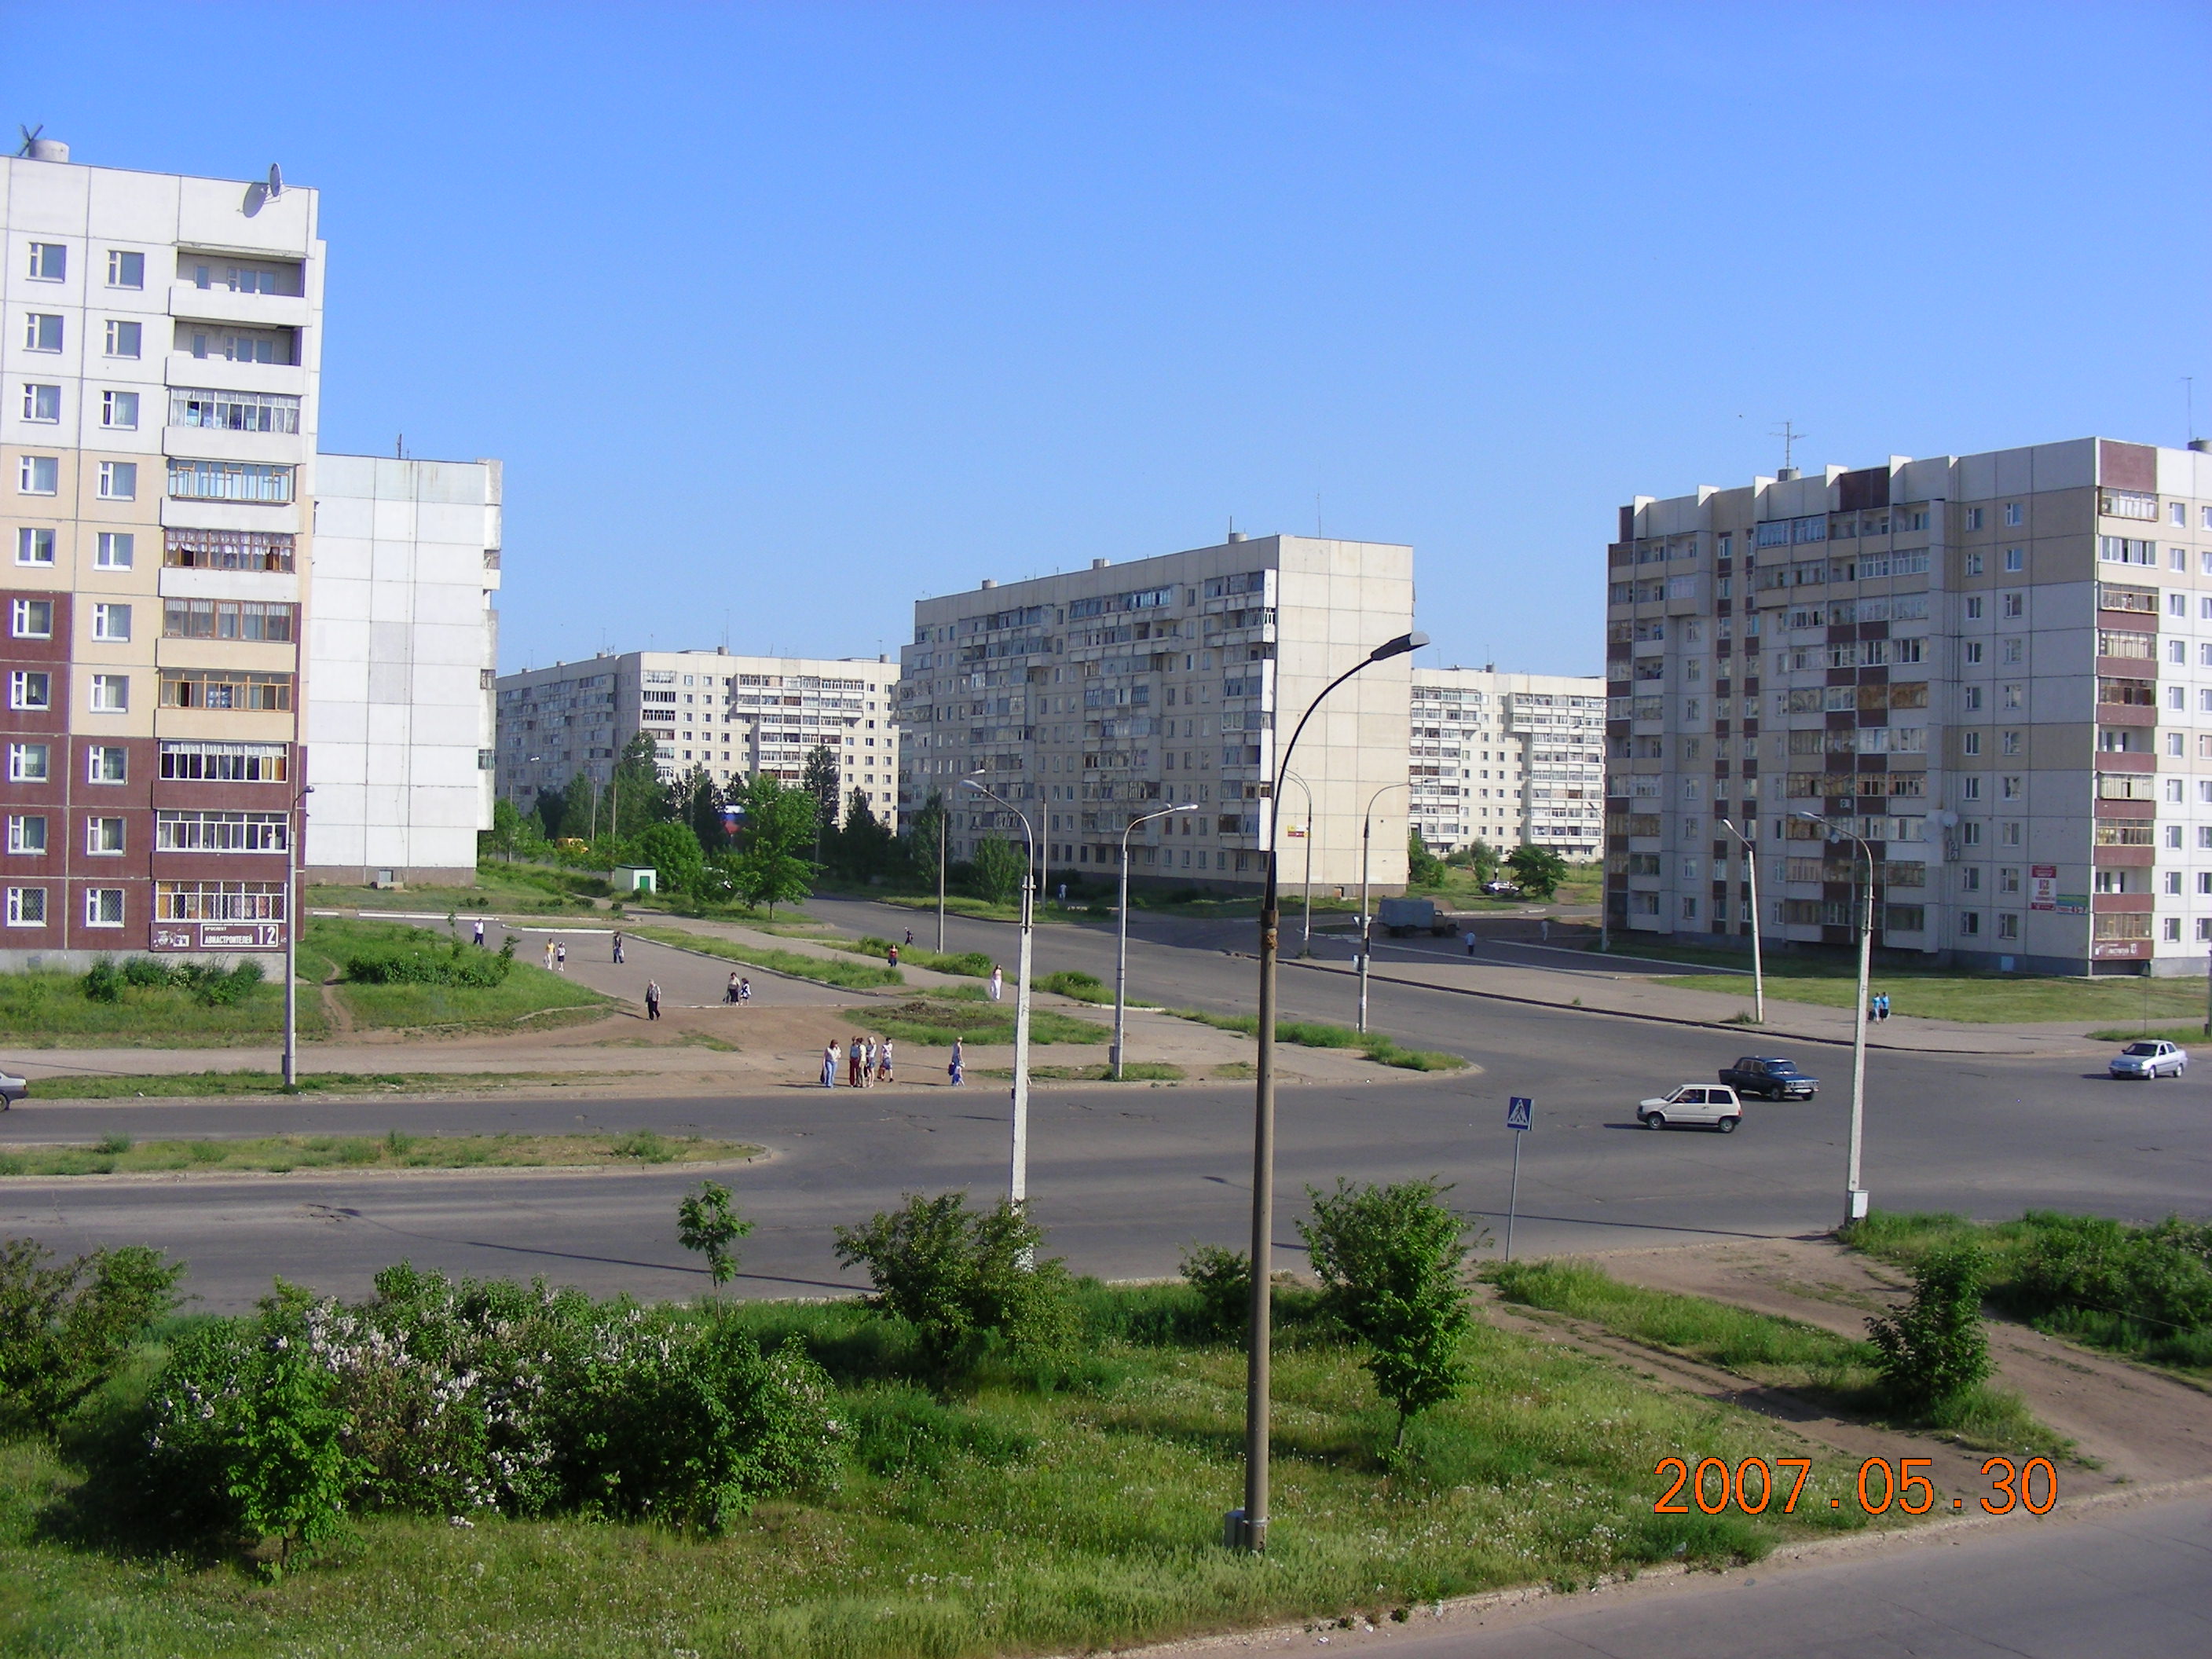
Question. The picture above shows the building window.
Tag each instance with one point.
(1970, 923)
(27, 833)
(32, 619)
(1970, 650)
(118, 481)
(186, 761)
(2016, 560)
(1971, 743)
(225, 687)
(237, 345)
(49, 262)
(2010, 743)
(2170, 882)
(111, 694)
(227, 549)
(26, 907)
(103, 837)
(28, 762)
(124, 338)
(42, 402)
(1973, 607)
(103, 907)
(219, 900)
(1970, 787)
(119, 410)
(117, 550)
(2007, 924)
(1974, 517)
(2173, 740)
(30, 688)
(2170, 929)
(226, 619)
(2015, 514)
(2014, 604)
(38, 475)
(219, 832)
(107, 762)
(1973, 564)
(111, 621)
(230, 481)
(125, 270)
(233, 411)
(42, 333)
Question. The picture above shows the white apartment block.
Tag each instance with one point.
(1996, 668)
(1089, 699)
(1508, 760)
(159, 338)
(402, 651)
(728, 716)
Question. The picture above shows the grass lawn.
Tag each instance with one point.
(174, 1085)
(499, 887)
(120, 1155)
(1136, 1071)
(49, 1011)
(935, 1023)
(2183, 1035)
(822, 970)
(1783, 1353)
(990, 1518)
(546, 1001)
(1317, 1034)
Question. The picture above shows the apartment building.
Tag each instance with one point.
(1996, 669)
(402, 653)
(1089, 699)
(1508, 759)
(729, 716)
(159, 337)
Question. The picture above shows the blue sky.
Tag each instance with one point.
(781, 317)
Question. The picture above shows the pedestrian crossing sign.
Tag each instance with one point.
(1519, 1109)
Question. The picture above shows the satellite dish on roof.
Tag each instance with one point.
(276, 181)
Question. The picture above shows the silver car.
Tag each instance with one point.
(1710, 1104)
(2150, 1060)
(12, 1089)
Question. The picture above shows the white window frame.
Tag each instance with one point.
(110, 622)
(30, 688)
(94, 838)
(113, 400)
(96, 757)
(109, 694)
(97, 900)
(118, 267)
(123, 332)
(23, 758)
(118, 481)
(20, 616)
(26, 907)
(46, 254)
(110, 542)
(37, 392)
(35, 330)
(18, 826)
(28, 469)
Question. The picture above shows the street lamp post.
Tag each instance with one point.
(1246, 1528)
(1305, 938)
(1366, 926)
(1757, 967)
(292, 936)
(944, 822)
(1855, 1198)
(1017, 1166)
(1122, 940)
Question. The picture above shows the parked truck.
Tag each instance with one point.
(1402, 916)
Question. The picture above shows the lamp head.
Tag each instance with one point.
(1399, 646)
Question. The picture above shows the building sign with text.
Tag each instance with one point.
(218, 936)
(2043, 887)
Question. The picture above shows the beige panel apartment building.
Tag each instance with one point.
(1508, 759)
(1091, 698)
(730, 716)
(159, 338)
(1997, 668)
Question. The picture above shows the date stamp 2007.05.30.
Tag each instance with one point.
(1752, 1485)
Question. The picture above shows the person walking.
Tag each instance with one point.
(1470, 941)
(829, 1066)
(891, 955)
(883, 1062)
(744, 992)
(958, 1070)
(853, 1064)
(549, 955)
(618, 945)
(868, 1065)
(1881, 1003)
(909, 938)
(998, 983)
(652, 999)
(1544, 930)
(561, 956)
(730, 991)
(479, 932)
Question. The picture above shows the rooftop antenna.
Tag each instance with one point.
(1790, 439)
(30, 135)
(2189, 389)
(276, 181)
(399, 447)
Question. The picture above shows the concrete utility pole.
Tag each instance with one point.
(1854, 1197)
(299, 819)
(1367, 927)
(1758, 969)
(1121, 932)
(1018, 1166)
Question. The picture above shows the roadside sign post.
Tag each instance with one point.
(1520, 1110)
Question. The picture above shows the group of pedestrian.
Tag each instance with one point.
(738, 992)
(1878, 1006)
(866, 1063)
(556, 955)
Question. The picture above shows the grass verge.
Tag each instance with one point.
(2183, 1035)
(177, 1085)
(938, 1021)
(2125, 1005)
(1782, 1353)
(1317, 1034)
(1135, 1071)
(121, 1155)
(835, 971)
(40, 1009)
(529, 996)
(973, 965)
(1001, 1516)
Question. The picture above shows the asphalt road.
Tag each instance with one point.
(1124, 1177)
(2134, 1581)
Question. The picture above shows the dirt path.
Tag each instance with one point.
(2143, 1427)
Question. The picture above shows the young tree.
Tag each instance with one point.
(862, 846)
(819, 780)
(1934, 1348)
(550, 809)
(771, 866)
(673, 851)
(505, 834)
(999, 868)
(1392, 1262)
(1537, 870)
(1478, 858)
(707, 1222)
(697, 804)
(921, 839)
(1422, 867)
(64, 1330)
(636, 797)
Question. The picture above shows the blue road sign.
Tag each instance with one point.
(1518, 1111)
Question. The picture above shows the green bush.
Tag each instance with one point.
(1082, 987)
(144, 974)
(1391, 1263)
(2149, 1285)
(1223, 1281)
(1933, 1350)
(64, 1330)
(969, 1282)
(207, 985)
(429, 962)
(103, 981)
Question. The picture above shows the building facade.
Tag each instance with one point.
(1089, 699)
(729, 716)
(159, 338)
(1996, 669)
(402, 653)
(1508, 759)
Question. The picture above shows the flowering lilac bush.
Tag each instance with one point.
(438, 1397)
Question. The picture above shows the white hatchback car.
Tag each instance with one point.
(2150, 1060)
(1693, 1102)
